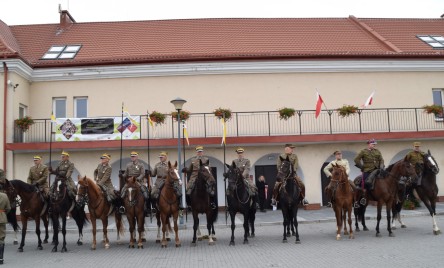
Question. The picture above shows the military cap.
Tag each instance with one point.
(163, 153)
(37, 157)
(199, 148)
(372, 141)
(416, 144)
(337, 152)
(289, 145)
(134, 153)
(239, 150)
(65, 153)
(105, 156)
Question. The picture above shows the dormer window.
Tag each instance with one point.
(61, 52)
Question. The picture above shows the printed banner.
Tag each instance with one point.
(94, 129)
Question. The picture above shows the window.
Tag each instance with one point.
(59, 107)
(61, 52)
(435, 41)
(80, 107)
(438, 100)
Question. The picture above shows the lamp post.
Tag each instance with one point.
(178, 104)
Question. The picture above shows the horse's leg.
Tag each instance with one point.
(356, 212)
(159, 224)
(56, 227)
(253, 218)
(195, 227)
(364, 227)
(64, 215)
(246, 225)
(295, 222)
(164, 228)
(94, 229)
(378, 218)
(105, 230)
(37, 231)
(285, 223)
(338, 221)
(209, 226)
(140, 227)
(350, 224)
(176, 228)
(344, 218)
(233, 226)
(132, 226)
(46, 223)
(388, 206)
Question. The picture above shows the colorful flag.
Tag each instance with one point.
(185, 132)
(53, 118)
(319, 102)
(224, 131)
(369, 100)
(128, 123)
(149, 119)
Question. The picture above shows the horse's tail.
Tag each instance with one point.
(396, 209)
(119, 223)
(360, 213)
(79, 215)
(215, 214)
(12, 219)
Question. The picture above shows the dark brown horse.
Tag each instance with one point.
(99, 208)
(200, 203)
(240, 200)
(385, 192)
(168, 205)
(427, 191)
(289, 197)
(32, 207)
(134, 211)
(343, 196)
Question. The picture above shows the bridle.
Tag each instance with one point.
(237, 183)
(55, 195)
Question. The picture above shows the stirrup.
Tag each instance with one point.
(122, 210)
(356, 205)
(363, 201)
(213, 205)
(329, 204)
(305, 202)
(273, 202)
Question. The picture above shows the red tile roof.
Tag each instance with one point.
(223, 39)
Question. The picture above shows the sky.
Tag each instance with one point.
(19, 12)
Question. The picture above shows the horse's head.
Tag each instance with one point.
(82, 188)
(338, 173)
(204, 171)
(402, 168)
(172, 172)
(132, 189)
(286, 168)
(233, 175)
(59, 189)
(10, 191)
(430, 163)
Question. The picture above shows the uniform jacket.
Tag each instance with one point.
(65, 169)
(135, 169)
(371, 160)
(415, 157)
(341, 162)
(5, 207)
(38, 174)
(244, 165)
(160, 170)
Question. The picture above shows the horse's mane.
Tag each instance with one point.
(23, 185)
(389, 168)
(92, 183)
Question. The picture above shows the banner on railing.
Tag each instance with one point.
(94, 129)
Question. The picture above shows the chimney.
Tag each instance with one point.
(66, 19)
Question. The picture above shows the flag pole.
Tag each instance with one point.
(50, 152)
(225, 181)
(184, 159)
(148, 172)
(121, 147)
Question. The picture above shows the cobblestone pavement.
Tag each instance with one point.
(415, 246)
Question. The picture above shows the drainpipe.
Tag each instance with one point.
(5, 98)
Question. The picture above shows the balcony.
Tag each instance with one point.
(268, 123)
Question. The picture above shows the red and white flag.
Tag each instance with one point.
(369, 101)
(319, 103)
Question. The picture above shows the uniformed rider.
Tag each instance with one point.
(288, 151)
(134, 169)
(64, 171)
(416, 158)
(38, 176)
(102, 177)
(5, 207)
(244, 166)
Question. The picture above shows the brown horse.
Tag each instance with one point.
(385, 192)
(427, 191)
(32, 207)
(99, 208)
(134, 210)
(168, 205)
(343, 197)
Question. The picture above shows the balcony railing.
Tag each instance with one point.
(267, 123)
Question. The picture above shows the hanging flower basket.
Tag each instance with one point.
(184, 115)
(24, 123)
(157, 117)
(285, 113)
(347, 110)
(433, 109)
(223, 113)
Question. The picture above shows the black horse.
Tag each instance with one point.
(240, 200)
(427, 191)
(61, 205)
(289, 197)
(200, 203)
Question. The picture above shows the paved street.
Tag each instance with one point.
(415, 246)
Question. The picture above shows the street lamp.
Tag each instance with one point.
(178, 104)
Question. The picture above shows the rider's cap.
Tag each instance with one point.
(289, 145)
(65, 153)
(37, 157)
(134, 154)
(372, 141)
(416, 144)
(337, 152)
(105, 156)
(163, 154)
(240, 150)
(199, 148)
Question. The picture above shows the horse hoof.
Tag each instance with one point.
(357, 230)
(351, 237)
(403, 226)
(437, 232)
(52, 243)
(232, 243)
(158, 241)
(245, 242)
(393, 228)
(168, 239)
(143, 239)
(178, 245)
(45, 241)
(338, 238)
(252, 235)
(199, 239)
(297, 242)
(64, 250)
(193, 244)
(20, 250)
(79, 243)
(139, 246)
(164, 246)
(212, 243)
(40, 248)
(284, 241)
(16, 242)
(93, 248)
(365, 229)
(391, 235)
(378, 235)
(54, 250)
